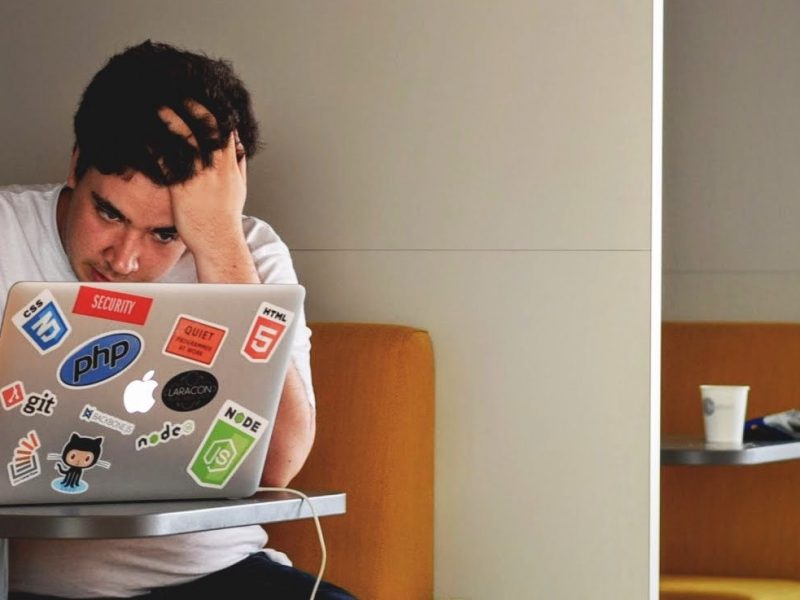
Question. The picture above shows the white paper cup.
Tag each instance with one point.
(724, 408)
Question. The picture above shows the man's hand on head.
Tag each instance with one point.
(208, 207)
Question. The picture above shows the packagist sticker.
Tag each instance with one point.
(229, 440)
(195, 340)
(25, 465)
(112, 305)
(266, 332)
(42, 323)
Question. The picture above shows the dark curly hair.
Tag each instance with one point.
(117, 127)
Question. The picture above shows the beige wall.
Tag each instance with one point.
(731, 160)
(481, 169)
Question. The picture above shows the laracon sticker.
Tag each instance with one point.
(90, 414)
(78, 456)
(170, 431)
(189, 390)
(195, 340)
(42, 323)
(229, 440)
(266, 332)
(39, 404)
(25, 465)
(13, 395)
(112, 305)
(100, 359)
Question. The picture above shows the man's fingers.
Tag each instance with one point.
(177, 125)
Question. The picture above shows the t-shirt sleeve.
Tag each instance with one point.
(274, 265)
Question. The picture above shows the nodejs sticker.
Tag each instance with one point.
(228, 441)
(189, 390)
(42, 323)
(112, 305)
(39, 404)
(266, 332)
(13, 395)
(91, 414)
(100, 359)
(25, 465)
(170, 431)
(78, 456)
(195, 340)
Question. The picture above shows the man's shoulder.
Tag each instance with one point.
(29, 196)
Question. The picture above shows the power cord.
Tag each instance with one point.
(315, 516)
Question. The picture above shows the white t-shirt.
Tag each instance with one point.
(31, 250)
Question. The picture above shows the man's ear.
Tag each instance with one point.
(72, 180)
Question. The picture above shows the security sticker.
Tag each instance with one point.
(42, 323)
(13, 394)
(228, 441)
(170, 431)
(77, 456)
(91, 414)
(266, 332)
(39, 404)
(195, 340)
(112, 305)
(25, 465)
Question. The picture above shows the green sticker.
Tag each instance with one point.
(229, 440)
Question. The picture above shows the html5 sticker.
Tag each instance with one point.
(195, 340)
(12, 395)
(42, 322)
(266, 332)
(111, 305)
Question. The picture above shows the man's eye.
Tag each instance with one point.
(165, 237)
(107, 214)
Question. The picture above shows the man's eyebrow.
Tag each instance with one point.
(107, 206)
(165, 230)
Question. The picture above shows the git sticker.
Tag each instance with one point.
(228, 441)
(195, 340)
(112, 305)
(13, 395)
(266, 332)
(25, 465)
(42, 323)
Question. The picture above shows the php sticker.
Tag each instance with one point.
(229, 440)
(78, 456)
(170, 431)
(13, 395)
(195, 340)
(189, 390)
(100, 359)
(39, 404)
(266, 332)
(25, 465)
(42, 323)
(112, 305)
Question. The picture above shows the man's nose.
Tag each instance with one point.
(123, 256)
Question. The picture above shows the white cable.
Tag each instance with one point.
(315, 516)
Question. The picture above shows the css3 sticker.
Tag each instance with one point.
(269, 325)
(228, 441)
(42, 323)
(100, 359)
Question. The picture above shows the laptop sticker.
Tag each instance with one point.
(195, 340)
(13, 395)
(189, 390)
(228, 441)
(42, 323)
(100, 359)
(138, 394)
(169, 432)
(91, 414)
(112, 305)
(78, 456)
(39, 404)
(266, 332)
(25, 464)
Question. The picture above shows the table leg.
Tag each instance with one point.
(3, 569)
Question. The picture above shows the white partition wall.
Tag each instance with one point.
(479, 169)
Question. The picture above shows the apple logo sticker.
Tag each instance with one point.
(138, 395)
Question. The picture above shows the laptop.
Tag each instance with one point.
(146, 391)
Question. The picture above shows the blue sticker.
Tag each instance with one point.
(100, 359)
(42, 323)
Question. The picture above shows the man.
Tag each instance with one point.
(155, 192)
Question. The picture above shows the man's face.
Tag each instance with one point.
(117, 228)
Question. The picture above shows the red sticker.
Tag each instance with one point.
(13, 394)
(268, 327)
(195, 340)
(112, 305)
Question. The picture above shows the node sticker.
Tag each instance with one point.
(42, 323)
(25, 464)
(13, 395)
(195, 340)
(170, 431)
(112, 305)
(266, 332)
(229, 440)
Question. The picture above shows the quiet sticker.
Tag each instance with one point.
(195, 340)
(266, 332)
(229, 440)
(111, 305)
(42, 323)
(13, 395)
(25, 464)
